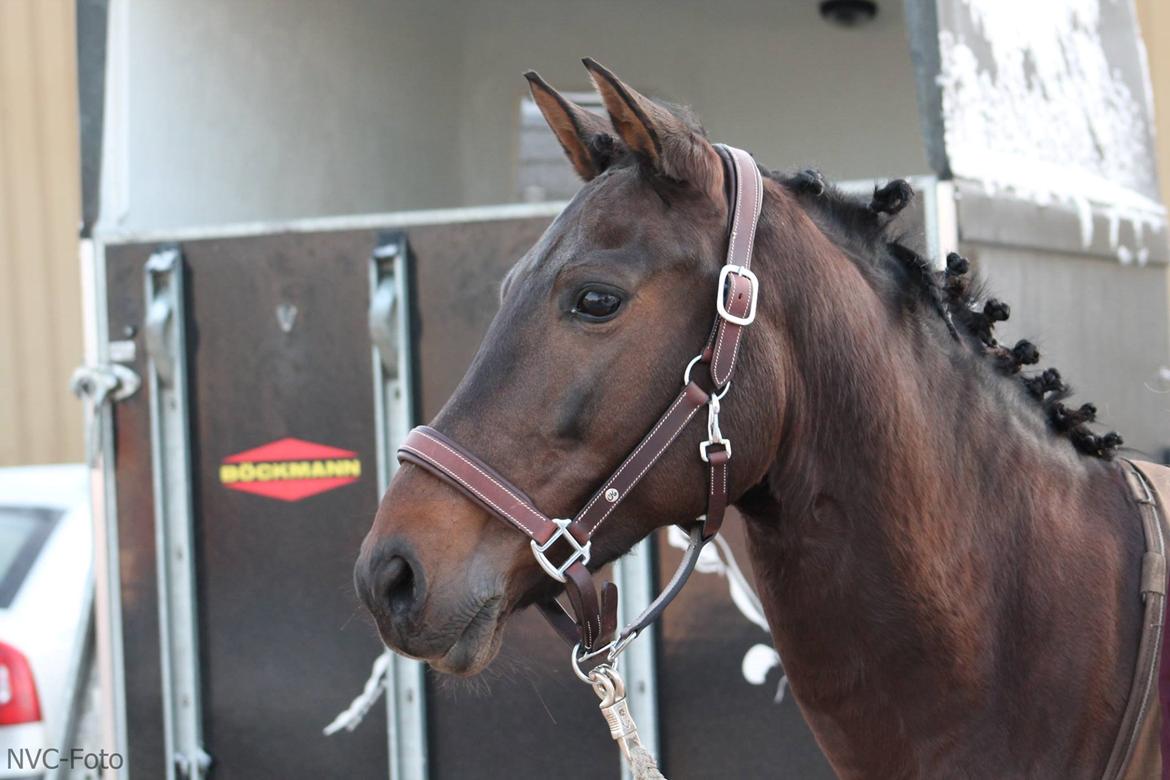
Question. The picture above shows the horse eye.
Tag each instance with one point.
(597, 304)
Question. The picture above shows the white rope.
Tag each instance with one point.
(353, 715)
(642, 765)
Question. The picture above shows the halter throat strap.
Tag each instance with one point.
(562, 546)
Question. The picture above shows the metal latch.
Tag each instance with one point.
(98, 386)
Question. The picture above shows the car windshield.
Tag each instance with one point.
(23, 531)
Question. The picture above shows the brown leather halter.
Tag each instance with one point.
(595, 621)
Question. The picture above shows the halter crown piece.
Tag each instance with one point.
(562, 545)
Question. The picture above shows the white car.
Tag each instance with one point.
(46, 595)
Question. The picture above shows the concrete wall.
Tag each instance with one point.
(241, 110)
(1102, 324)
(40, 292)
(260, 109)
(772, 77)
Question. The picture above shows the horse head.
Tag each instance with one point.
(596, 325)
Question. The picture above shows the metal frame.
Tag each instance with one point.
(634, 574)
(103, 503)
(392, 358)
(940, 219)
(170, 451)
(393, 220)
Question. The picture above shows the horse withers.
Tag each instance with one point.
(949, 557)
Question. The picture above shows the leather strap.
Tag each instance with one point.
(444, 458)
(641, 458)
(1136, 746)
(596, 616)
(716, 490)
(741, 290)
(655, 609)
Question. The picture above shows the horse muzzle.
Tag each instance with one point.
(455, 634)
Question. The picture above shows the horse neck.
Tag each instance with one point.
(912, 500)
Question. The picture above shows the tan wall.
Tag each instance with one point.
(40, 298)
(1154, 18)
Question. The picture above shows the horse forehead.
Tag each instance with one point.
(619, 210)
(596, 219)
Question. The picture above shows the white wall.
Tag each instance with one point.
(243, 110)
(259, 109)
(768, 75)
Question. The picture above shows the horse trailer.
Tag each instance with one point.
(249, 382)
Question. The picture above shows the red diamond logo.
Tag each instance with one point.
(290, 469)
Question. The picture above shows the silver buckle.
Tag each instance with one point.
(580, 552)
(721, 306)
(707, 444)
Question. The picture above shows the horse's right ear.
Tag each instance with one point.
(586, 137)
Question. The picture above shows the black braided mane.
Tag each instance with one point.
(866, 234)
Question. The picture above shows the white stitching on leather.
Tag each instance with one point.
(722, 470)
(719, 343)
(627, 461)
(653, 460)
(735, 343)
(751, 239)
(756, 217)
(487, 476)
(735, 218)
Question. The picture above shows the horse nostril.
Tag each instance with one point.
(397, 586)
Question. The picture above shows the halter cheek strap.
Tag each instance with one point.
(562, 546)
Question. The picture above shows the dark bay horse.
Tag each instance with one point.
(947, 555)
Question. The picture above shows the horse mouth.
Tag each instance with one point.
(478, 642)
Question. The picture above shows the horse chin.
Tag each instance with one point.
(476, 647)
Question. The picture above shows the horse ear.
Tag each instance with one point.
(586, 137)
(656, 134)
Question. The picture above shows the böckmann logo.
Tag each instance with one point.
(290, 469)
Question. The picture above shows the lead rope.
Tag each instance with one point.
(611, 690)
(378, 681)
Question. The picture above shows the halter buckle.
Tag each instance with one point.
(580, 551)
(721, 304)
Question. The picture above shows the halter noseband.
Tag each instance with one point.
(595, 618)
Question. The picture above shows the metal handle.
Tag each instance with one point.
(170, 423)
(384, 325)
(159, 270)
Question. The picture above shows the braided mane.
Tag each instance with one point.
(865, 233)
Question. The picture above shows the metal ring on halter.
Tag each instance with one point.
(581, 675)
(687, 373)
(687, 378)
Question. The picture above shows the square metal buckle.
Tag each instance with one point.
(580, 551)
(720, 304)
(703, 447)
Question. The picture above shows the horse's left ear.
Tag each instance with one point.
(657, 135)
